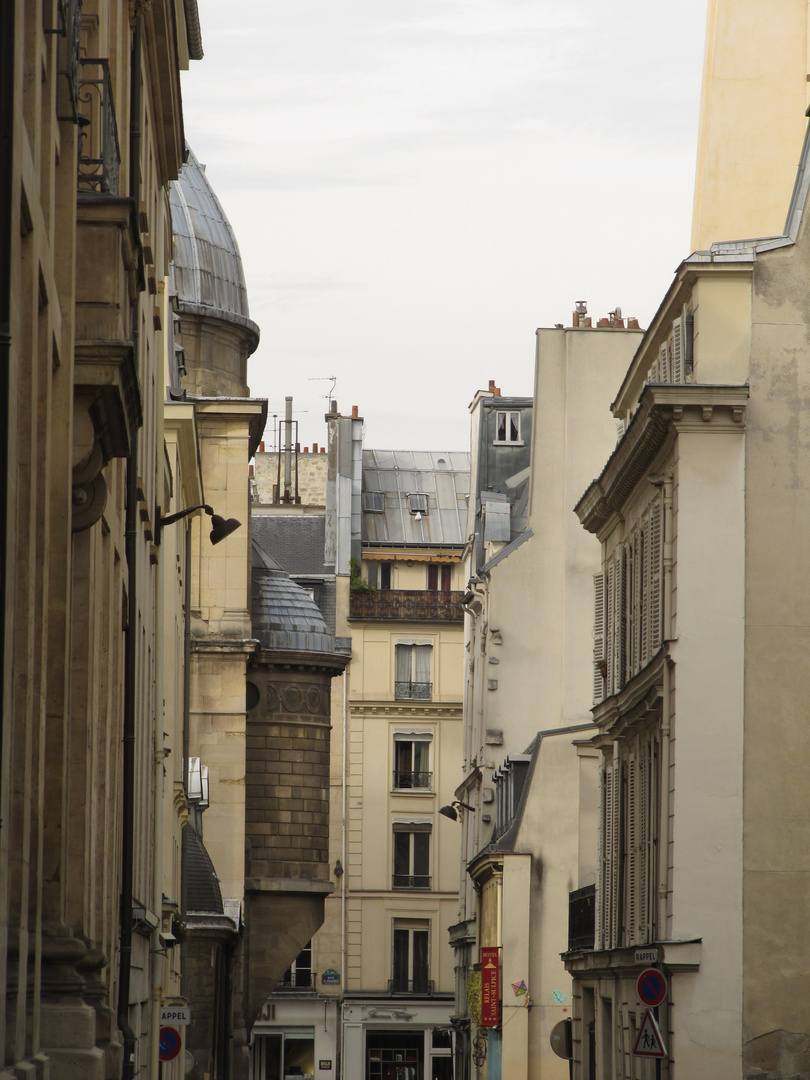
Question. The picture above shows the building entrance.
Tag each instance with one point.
(395, 1055)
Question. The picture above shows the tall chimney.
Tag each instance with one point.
(288, 449)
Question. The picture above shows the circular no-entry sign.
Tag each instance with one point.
(169, 1043)
(651, 987)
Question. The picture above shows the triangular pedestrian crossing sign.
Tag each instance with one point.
(648, 1041)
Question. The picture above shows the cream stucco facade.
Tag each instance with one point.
(528, 670)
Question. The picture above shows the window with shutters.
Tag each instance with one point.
(628, 605)
(628, 845)
(674, 361)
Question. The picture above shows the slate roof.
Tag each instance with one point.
(203, 894)
(444, 477)
(295, 541)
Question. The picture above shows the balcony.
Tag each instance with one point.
(410, 986)
(406, 605)
(297, 980)
(582, 919)
(413, 691)
(411, 881)
(409, 781)
(99, 154)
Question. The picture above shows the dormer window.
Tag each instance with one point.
(507, 427)
(418, 503)
(374, 502)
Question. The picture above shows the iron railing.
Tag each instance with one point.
(407, 605)
(99, 153)
(409, 780)
(411, 881)
(297, 980)
(413, 691)
(410, 986)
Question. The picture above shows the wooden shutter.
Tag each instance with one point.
(655, 559)
(678, 372)
(664, 364)
(610, 605)
(598, 636)
(631, 919)
(606, 891)
(620, 616)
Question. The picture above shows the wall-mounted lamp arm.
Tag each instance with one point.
(220, 527)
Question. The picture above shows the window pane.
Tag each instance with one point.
(433, 576)
(385, 575)
(402, 853)
(514, 426)
(403, 663)
(403, 754)
(421, 756)
(500, 427)
(420, 960)
(400, 971)
(421, 854)
(421, 667)
(446, 575)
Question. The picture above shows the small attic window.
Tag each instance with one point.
(374, 502)
(507, 427)
(418, 503)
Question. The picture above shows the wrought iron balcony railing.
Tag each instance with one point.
(99, 153)
(297, 980)
(411, 881)
(582, 919)
(410, 780)
(410, 986)
(413, 691)
(407, 605)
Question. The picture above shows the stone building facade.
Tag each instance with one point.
(90, 146)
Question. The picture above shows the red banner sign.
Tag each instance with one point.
(490, 986)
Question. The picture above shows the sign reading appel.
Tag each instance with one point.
(490, 986)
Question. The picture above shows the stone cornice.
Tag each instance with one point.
(637, 699)
(663, 410)
(428, 711)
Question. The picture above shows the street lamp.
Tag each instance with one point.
(452, 811)
(221, 527)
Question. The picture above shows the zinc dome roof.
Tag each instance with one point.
(207, 273)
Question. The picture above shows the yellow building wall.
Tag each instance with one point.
(752, 118)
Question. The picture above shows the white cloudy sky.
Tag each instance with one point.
(417, 185)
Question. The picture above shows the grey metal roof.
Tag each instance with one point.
(284, 617)
(203, 893)
(295, 541)
(207, 270)
(444, 477)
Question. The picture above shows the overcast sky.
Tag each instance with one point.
(417, 185)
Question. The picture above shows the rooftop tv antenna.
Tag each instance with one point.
(329, 396)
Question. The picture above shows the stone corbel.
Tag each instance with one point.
(89, 486)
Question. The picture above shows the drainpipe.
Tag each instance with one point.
(131, 634)
(7, 68)
(344, 875)
(666, 484)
